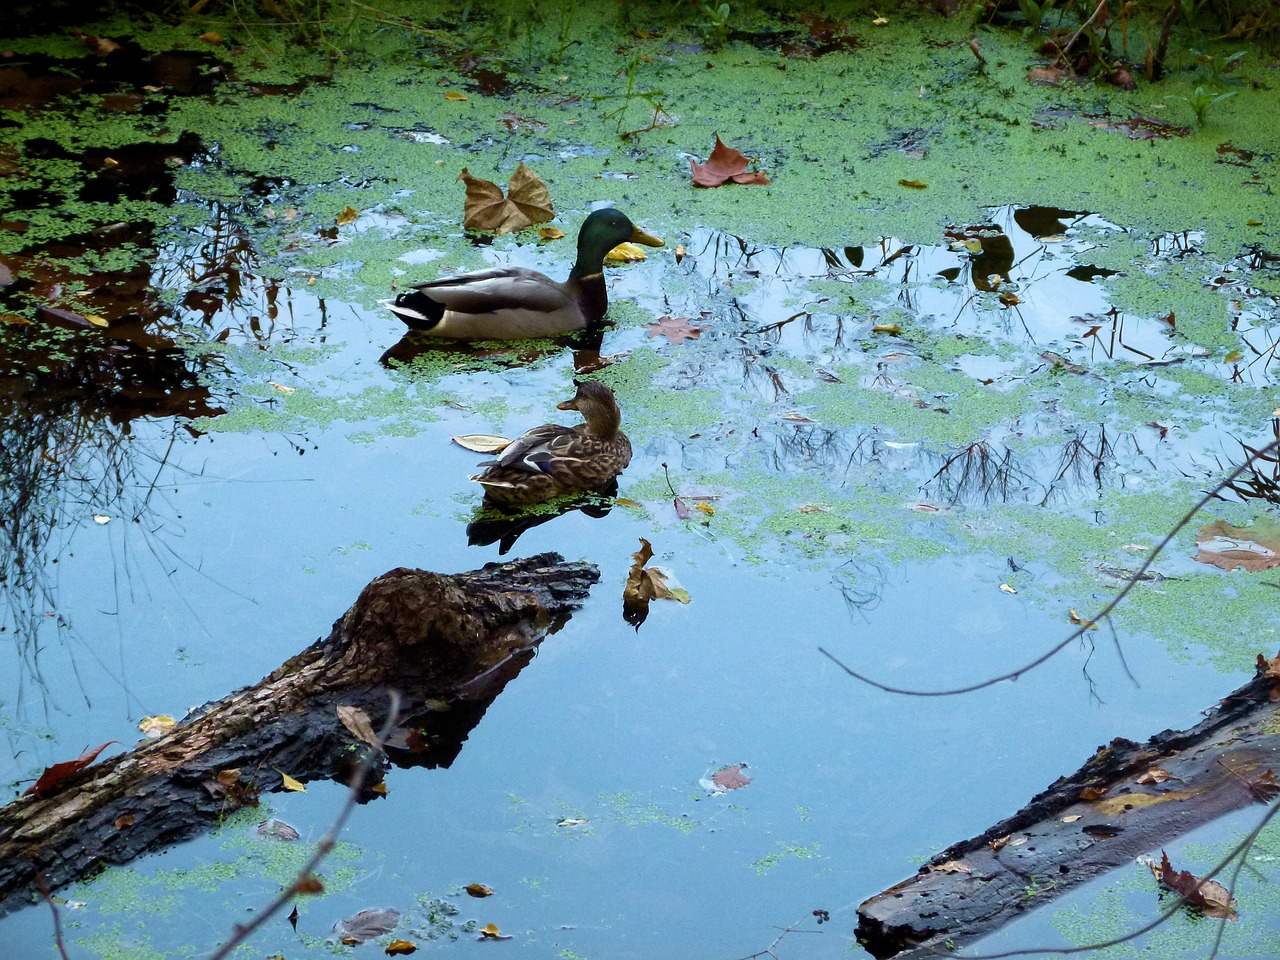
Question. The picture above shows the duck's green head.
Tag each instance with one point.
(601, 232)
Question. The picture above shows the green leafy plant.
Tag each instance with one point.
(1201, 100)
(1217, 68)
(715, 26)
(650, 97)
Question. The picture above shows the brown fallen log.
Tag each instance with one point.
(429, 637)
(1083, 825)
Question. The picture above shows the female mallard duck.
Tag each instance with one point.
(514, 303)
(552, 460)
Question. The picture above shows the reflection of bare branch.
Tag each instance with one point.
(861, 586)
(1270, 450)
(66, 454)
(1077, 461)
(1262, 482)
(793, 928)
(978, 472)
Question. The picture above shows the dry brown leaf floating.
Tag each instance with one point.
(527, 202)
(359, 725)
(724, 164)
(1208, 896)
(675, 329)
(1252, 548)
(478, 890)
(731, 777)
(645, 584)
(400, 948)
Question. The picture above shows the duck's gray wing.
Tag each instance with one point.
(502, 288)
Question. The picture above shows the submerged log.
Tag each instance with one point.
(429, 637)
(1083, 825)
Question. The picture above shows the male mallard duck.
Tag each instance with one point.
(551, 460)
(514, 303)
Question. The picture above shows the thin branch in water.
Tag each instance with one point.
(57, 916)
(1241, 851)
(1085, 626)
(305, 881)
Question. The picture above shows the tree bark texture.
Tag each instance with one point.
(1064, 837)
(429, 637)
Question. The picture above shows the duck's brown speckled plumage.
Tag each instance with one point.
(552, 460)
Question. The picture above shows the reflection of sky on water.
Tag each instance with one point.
(248, 545)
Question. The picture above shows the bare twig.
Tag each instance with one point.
(1240, 850)
(1086, 625)
(304, 881)
(57, 917)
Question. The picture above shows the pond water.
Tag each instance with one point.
(918, 456)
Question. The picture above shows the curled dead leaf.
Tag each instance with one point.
(1208, 896)
(527, 202)
(725, 164)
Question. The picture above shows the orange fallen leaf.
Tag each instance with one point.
(724, 164)
(731, 777)
(348, 215)
(54, 775)
(1252, 548)
(478, 890)
(400, 947)
(309, 884)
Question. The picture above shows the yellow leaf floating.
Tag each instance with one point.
(348, 215)
(157, 726)
(551, 233)
(400, 947)
(887, 328)
(291, 784)
(490, 930)
(96, 320)
(706, 508)
(482, 442)
(625, 253)
(456, 96)
(211, 36)
(913, 184)
(479, 889)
